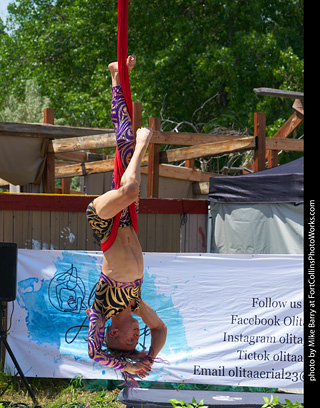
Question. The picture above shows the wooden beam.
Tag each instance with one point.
(102, 166)
(180, 173)
(90, 138)
(208, 149)
(189, 139)
(79, 203)
(109, 140)
(211, 149)
(153, 163)
(278, 93)
(74, 144)
(290, 125)
(165, 170)
(298, 106)
(83, 169)
(200, 188)
(47, 130)
(100, 136)
(80, 156)
(259, 157)
(286, 129)
(291, 145)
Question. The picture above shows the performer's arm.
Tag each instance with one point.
(157, 328)
(95, 340)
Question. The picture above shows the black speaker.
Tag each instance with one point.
(8, 271)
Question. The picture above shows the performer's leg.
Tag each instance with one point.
(123, 127)
(120, 116)
(114, 201)
(113, 68)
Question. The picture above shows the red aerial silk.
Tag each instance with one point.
(125, 85)
(122, 52)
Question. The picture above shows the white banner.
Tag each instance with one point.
(232, 319)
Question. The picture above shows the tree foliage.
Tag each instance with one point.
(188, 51)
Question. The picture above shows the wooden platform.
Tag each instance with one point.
(159, 398)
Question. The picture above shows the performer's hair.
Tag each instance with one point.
(131, 356)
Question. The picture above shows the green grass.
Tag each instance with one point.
(57, 393)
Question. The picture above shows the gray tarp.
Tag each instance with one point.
(20, 159)
(281, 184)
(260, 213)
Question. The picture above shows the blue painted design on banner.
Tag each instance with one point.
(54, 306)
(77, 274)
(56, 309)
(33, 298)
(176, 333)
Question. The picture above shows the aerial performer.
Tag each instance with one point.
(113, 218)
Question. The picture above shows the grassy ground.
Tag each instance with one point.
(57, 393)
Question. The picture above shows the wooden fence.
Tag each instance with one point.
(43, 221)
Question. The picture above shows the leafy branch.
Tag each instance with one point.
(273, 402)
(182, 404)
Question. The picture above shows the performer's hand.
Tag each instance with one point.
(143, 136)
(140, 369)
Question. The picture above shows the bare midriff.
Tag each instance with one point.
(123, 262)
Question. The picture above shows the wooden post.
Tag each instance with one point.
(259, 157)
(189, 164)
(153, 162)
(65, 185)
(136, 113)
(48, 116)
(272, 158)
(49, 170)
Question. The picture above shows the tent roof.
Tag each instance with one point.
(281, 184)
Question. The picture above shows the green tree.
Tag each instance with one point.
(30, 109)
(188, 50)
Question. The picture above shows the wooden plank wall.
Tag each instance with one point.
(194, 233)
(70, 230)
(162, 228)
(46, 230)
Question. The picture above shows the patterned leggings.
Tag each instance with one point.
(125, 139)
(125, 142)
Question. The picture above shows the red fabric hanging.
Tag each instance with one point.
(125, 85)
(122, 52)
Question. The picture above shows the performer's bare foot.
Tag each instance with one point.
(131, 62)
(113, 68)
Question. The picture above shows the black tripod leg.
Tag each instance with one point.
(15, 362)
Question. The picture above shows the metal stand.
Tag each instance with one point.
(3, 339)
